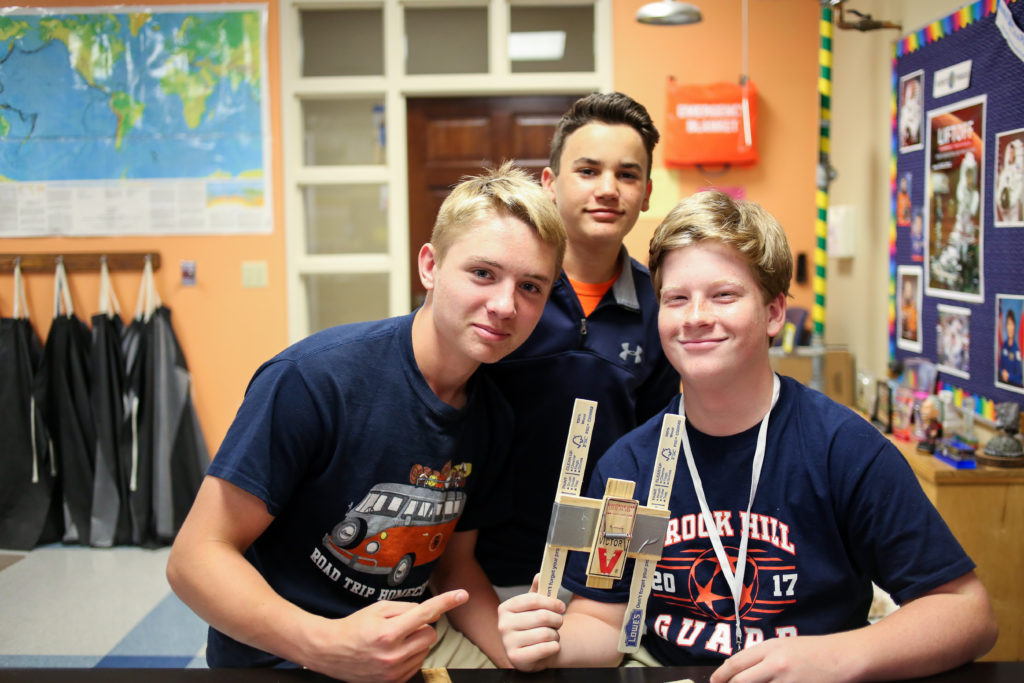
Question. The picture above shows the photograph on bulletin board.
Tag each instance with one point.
(911, 111)
(953, 340)
(917, 235)
(1009, 340)
(955, 212)
(908, 321)
(903, 203)
(1008, 199)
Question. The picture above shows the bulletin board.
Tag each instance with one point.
(957, 230)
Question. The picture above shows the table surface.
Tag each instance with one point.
(978, 672)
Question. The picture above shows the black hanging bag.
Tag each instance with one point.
(65, 379)
(27, 471)
(111, 517)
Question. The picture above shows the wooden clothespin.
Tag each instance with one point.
(613, 527)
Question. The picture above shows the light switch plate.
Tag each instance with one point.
(254, 274)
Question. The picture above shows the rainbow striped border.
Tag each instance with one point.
(893, 154)
(941, 28)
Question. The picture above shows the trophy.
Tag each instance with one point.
(1005, 448)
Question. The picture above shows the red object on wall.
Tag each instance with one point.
(710, 125)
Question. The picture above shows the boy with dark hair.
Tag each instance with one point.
(363, 459)
(598, 336)
(788, 507)
(1009, 352)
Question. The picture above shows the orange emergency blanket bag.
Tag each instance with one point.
(709, 125)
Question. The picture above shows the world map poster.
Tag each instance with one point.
(119, 122)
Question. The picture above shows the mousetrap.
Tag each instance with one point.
(611, 528)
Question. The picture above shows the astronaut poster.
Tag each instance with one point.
(916, 235)
(1008, 198)
(1009, 338)
(908, 321)
(953, 340)
(911, 110)
(954, 204)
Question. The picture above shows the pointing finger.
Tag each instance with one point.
(428, 611)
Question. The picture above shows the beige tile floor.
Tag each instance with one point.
(68, 606)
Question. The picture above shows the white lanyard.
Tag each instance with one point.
(734, 579)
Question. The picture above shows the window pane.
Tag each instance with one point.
(446, 41)
(368, 502)
(338, 299)
(346, 219)
(535, 26)
(342, 42)
(342, 132)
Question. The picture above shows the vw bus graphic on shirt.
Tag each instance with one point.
(396, 527)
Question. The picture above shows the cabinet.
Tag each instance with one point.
(984, 507)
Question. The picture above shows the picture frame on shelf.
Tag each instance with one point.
(902, 413)
(865, 393)
(881, 417)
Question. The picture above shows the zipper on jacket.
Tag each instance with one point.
(583, 327)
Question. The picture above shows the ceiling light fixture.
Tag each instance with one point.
(668, 13)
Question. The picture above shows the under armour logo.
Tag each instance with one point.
(638, 355)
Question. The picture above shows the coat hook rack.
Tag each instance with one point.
(78, 261)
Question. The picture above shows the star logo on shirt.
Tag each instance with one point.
(709, 588)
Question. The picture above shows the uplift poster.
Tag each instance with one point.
(954, 202)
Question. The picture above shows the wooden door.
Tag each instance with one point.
(451, 137)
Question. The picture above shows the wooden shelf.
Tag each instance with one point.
(78, 261)
(984, 507)
(931, 469)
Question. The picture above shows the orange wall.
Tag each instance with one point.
(225, 331)
(783, 64)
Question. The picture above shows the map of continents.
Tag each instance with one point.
(135, 95)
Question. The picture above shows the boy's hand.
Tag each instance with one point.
(385, 641)
(529, 626)
(807, 658)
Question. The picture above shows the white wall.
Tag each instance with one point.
(856, 306)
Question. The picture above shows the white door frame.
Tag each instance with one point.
(394, 87)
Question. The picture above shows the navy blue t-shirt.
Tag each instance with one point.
(366, 471)
(837, 507)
